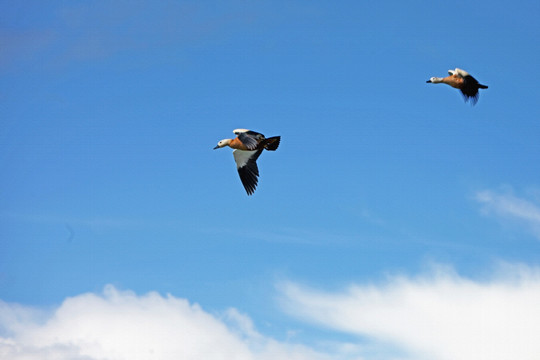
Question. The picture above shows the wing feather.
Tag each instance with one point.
(246, 164)
(250, 139)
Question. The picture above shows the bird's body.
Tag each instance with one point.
(462, 80)
(248, 146)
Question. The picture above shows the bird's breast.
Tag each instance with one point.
(237, 144)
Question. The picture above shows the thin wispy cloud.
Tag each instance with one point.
(89, 33)
(441, 316)
(508, 206)
(285, 235)
(96, 223)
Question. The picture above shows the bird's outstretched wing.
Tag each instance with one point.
(470, 89)
(246, 164)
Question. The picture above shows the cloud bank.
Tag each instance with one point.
(442, 316)
(439, 316)
(120, 325)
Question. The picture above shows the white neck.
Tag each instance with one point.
(225, 142)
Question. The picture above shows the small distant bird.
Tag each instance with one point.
(248, 145)
(462, 80)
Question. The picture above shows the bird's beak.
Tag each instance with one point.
(428, 81)
(217, 147)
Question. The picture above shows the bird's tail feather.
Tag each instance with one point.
(482, 86)
(272, 143)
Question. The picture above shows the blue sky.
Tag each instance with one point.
(388, 203)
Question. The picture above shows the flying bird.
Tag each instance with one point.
(248, 146)
(462, 80)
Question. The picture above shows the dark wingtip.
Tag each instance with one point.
(248, 176)
(428, 81)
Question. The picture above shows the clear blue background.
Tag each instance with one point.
(109, 112)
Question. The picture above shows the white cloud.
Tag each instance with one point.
(438, 317)
(121, 325)
(506, 205)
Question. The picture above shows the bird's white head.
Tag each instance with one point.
(434, 80)
(223, 143)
